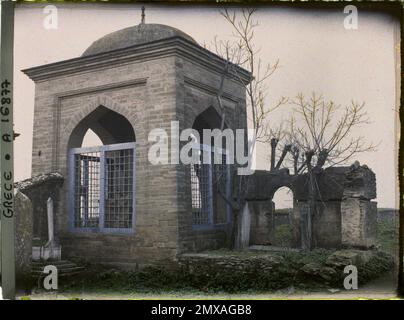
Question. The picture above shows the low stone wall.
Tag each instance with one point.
(229, 262)
(244, 270)
(390, 215)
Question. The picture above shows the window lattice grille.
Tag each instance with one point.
(103, 187)
(220, 181)
(119, 184)
(201, 193)
(205, 179)
(87, 190)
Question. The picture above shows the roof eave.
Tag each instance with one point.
(147, 50)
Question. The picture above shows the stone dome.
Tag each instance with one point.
(132, 36)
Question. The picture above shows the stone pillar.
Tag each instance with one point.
(358, 222)
(51, 250)
(49, 206)
(358, 212)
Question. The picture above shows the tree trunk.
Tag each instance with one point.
(312, 208)
(234, 229)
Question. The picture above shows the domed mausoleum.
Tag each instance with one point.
(116, 205)
(131, 36)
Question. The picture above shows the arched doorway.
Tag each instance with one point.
(282, 218)
(110, 127)
(102, 173)
(209, 179)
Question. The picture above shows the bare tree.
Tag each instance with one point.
(326, 131)
(319, 133)
(322, 134)
(242, 52)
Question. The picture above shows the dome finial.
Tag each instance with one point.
(143, 15)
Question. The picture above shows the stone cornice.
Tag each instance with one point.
(143, 52)
(105, 87)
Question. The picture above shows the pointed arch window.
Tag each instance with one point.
(102, 177)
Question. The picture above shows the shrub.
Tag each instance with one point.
(283, 236)
(234, 272)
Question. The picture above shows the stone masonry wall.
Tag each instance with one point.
(144, 93)
(345, 216)
(262, 222)
(196, 92)
(150, 93)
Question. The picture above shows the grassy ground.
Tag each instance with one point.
(153, 283)
(382, 288)
(285, 280)
(387, 236)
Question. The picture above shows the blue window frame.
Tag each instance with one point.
(204, 176)
(102, 188)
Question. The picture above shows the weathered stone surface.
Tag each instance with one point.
(38, 189)
(328, 273)
(261, 222)
(263, 184)
(327, 224)
(358, 222)
(276, 270)
(330, 185)
(23, 237)
(342, 258)
(336, 185)
(38, 180)
(311, 268)
(228, 261)
(360, 183)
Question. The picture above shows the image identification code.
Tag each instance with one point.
(202, 309)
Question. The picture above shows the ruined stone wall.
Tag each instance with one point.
(260, 270)
(327, 224)
(344, 215)
(262, 222)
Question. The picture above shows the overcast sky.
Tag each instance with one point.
(316, 53)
